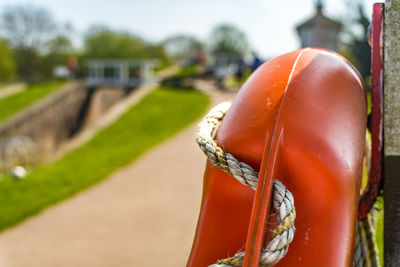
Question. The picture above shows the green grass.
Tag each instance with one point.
(14, 103)
(157, 117)
(368, 103)
(186, 72)
(379, 230)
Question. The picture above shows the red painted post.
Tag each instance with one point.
(375, 176)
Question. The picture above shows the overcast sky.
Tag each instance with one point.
(268, 24)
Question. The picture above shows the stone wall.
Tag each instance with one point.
(102, 100)
(56, 118)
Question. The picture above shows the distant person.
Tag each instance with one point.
(257, 61)
(71, 65)
(220, 72)
(240, 68)
(200, 58)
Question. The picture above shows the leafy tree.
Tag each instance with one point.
(57, 52)
(360, 46)
(7, 66)
(226, 38)
(27, 60)
(101, 42)
(357, 49)
(158, 51)
(105, 43)
(59, 45)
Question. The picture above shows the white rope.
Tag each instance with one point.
(283, 204)
(282, 199)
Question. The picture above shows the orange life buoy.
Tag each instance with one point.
(313, 101)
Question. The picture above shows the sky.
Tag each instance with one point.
(269, 24)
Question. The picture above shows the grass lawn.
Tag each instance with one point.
(157, 117)
(14, 103)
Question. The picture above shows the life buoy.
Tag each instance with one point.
(309, 108)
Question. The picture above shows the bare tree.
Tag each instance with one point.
(27, 26)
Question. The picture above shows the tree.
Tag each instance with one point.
(57, 51)
(27, 28)
(360, 46)
(59, 45)
(357, 49)
(158, 51)
(105, 43)
(101, 42)
(182, 46)
(7, 66)
(226, 38)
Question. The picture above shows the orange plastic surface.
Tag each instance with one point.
(312, 103)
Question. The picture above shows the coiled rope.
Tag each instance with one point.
(282, 199)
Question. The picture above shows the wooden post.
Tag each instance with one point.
(392, 133)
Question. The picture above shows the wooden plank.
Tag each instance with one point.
(392, 132)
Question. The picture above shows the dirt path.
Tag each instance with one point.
(143, 215)
(12, 89)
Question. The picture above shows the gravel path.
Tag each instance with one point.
(143, 215)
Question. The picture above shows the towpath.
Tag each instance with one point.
(12, 89)
(142, 215)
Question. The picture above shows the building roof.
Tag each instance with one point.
(319, 19)
(116, 61)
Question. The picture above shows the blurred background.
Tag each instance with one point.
(38, 36)
(100, 89)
